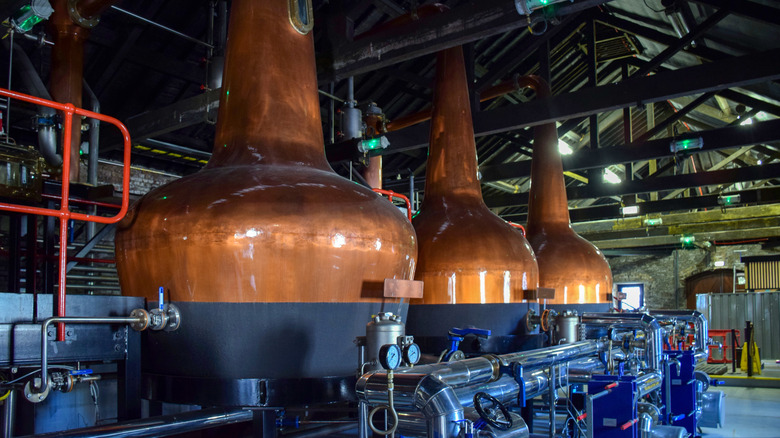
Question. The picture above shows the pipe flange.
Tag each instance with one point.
(35, 397)
(174, 317)
(87, 23)
(496, 363)
(143, 320)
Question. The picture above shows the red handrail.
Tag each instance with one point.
(64, 213)
(84, 201)
(522, 228)
(391, 194)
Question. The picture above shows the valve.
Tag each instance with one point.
(63, 381)
(456, 335)
(166, 316)
(545, 320)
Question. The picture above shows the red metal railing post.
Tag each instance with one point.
(64, 217)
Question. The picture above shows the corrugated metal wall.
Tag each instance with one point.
(763, 275)
(727, 311)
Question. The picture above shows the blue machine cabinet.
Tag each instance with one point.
(611, 407)
(682, 387)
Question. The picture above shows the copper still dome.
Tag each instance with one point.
(266, 226)
(468, 254)
(571, 265)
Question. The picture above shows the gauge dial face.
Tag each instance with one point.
(390, 356)
(412, 354)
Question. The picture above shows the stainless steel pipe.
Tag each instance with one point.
(161, 426)
(701, 337)
(653, 332)
(71, 320)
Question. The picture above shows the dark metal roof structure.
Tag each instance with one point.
(625, 84)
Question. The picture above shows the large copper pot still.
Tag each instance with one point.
(468, 255)
(571, 265)
(267, 220)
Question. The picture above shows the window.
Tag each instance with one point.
(634, 296)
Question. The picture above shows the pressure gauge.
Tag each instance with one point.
(412, 354)
(390, 356)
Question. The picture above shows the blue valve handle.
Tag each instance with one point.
(456, 335)
(517, 372)
(678, 417)
(289, 422)
(715, 382)
(482, 333)
(80, 372)
(161, 298)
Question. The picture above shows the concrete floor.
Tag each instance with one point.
(750, 413)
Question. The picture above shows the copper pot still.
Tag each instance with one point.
(468, 255)
(571, 265)
(266, 221)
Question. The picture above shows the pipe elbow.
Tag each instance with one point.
(47, 145)
(434, 398)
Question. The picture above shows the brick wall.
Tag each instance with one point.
(658, 272)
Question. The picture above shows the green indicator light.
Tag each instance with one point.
(371, 144)
(165, 197)
(687, 240)
(653, 222)
(686, 144)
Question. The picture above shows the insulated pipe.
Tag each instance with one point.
(691, 316)
(47, 135)
(161, 426)
(92, 166)
(545, 357)
(653, 331)
(422, 393)
(67, 70)
(582, 371)
(459, 373)
(440, 390)
(70, 25)
(648, 383)
(484, 369)
(217, 58)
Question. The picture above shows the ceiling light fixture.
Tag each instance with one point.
(564, 148)
(611, 177)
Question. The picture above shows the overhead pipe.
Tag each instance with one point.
(458, 235)
(94, 150)
(218, 29)
(571, 265)
(161, 27)
(69, 25)
(493, 92)
(653, 331)
(47, 134)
